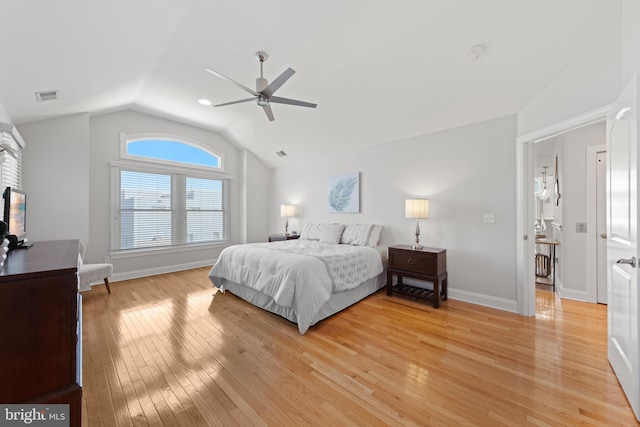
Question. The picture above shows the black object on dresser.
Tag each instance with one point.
(281, 237)
(40, 327)
(429, 264)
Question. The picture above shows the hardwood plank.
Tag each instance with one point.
(170, 350)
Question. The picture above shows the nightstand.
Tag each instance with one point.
(429, 264)
(281, 237)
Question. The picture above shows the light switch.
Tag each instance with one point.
(489, 218)
(581, 227)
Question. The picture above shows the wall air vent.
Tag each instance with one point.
(47, 95)
(281, 153)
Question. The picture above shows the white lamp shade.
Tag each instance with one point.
(416, 208)
(287, 211)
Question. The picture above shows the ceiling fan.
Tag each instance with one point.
(264, 91)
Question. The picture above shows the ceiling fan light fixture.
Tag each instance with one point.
(204, 102)
(264, 90)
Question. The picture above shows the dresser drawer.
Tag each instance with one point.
(413, 262)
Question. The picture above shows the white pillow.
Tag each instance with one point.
(314, 230)
(374, 239)
(332, 233)
(357, 234)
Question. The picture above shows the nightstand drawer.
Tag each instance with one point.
(413, 262)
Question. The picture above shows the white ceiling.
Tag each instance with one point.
(378, 70)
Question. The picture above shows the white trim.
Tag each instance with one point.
(572, 294)
(126, 138)
(485, 300)
(592, 237)
(523, 235)
(143, 166)
(585, 119)
(525, 275)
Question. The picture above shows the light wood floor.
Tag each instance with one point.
(166, 351)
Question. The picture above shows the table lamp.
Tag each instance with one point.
(416, 208)
(287, 211)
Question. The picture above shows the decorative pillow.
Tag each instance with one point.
(375, 236)
(356, 234)
(332, 233)
(311, 231)
(314, 230)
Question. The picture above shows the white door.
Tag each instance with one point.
(622, 244)
(601, 226)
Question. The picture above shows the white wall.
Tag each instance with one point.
(573, 249)
(56, 177)
(4, 115)
(630, 39)
(465, 172)
(257, 185)
(591, 81)
(105, 146)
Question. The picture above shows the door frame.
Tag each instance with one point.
(525, 272)
(592, 236)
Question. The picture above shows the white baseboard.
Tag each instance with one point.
(485, 300)
(160, 270)
(572, 294)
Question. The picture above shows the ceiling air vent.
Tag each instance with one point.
(281, 153)
(47, 95)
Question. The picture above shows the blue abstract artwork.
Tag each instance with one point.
(344, 193)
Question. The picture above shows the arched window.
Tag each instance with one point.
(169, 191)
(170, 149)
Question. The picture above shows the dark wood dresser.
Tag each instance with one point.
(40, 327)
(428, 264)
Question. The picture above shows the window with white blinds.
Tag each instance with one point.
(10, 162)
(164, 206)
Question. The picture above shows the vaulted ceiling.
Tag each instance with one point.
(378, 70)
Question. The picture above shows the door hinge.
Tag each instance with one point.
(525, 237)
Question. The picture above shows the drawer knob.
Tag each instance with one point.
(409, 261)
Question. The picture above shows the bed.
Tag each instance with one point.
(330, 267)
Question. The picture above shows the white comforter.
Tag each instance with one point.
(290, 269)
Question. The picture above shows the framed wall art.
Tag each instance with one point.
(344, 193)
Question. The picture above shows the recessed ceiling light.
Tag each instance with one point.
(204, 101)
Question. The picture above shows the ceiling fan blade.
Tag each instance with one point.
(235, 102)
(279, 81)
(241, 86)
(279, 100)
(267, 110)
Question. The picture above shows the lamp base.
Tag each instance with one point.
(417, 244)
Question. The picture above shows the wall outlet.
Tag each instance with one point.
(581, 227)
(489, 218)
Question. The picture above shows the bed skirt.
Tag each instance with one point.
(337, 302)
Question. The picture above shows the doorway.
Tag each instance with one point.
(573, 226)
(572, 220)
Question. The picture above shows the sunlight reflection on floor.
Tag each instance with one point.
(548, 304)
